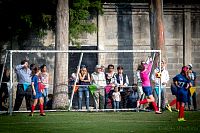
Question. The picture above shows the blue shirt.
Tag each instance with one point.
(35, 81)
(23, 75)
(182, 81)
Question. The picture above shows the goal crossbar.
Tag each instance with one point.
(84, 51)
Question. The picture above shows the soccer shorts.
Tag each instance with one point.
(147, 90)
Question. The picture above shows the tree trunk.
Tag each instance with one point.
(157, 26)
(60, 100)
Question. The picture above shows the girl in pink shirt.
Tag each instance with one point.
(145, 70)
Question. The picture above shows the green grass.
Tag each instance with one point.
(99, 122)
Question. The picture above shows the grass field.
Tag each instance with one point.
(99, 122)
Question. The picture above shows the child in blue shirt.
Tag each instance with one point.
(37, 92)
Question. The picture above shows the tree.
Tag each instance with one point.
(81, 13)
(157, 26)
(61, 59)
(79, 24)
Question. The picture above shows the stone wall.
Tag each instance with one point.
(126, 27)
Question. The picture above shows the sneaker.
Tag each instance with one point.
(158, 112)
(42, 114)
(181, 120)
(31, 114)
(168, 107)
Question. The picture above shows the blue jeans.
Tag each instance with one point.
(116, 104)
(45, 94)
(80, 94)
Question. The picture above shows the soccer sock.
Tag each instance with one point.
(177, 105)
(143, 101)
(182, 112)
(155, 106)
(41, 108)
(173, 102)
(32, 108)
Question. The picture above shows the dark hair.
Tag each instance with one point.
(23, 62)
(42, 67)
(119, 67)
(35, 70)
(32, 66)
(83, 66)
(141, 67)
(110, 65)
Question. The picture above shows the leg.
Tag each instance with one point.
(152, 100)
(189, 100)
(155, 94)
(115, 104)
(80, 97)
(96, 99)
(181, 112)
(41, 106)
(106, 100)
(194, 100)
(87, 96)
(33, 106)
(45, 94)
(163, 98)
(173, 102)
(28, 98)
(19, 97)
(102, 98)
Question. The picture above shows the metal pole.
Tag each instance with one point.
(11, 84)
(3, 68)
(159, 90)
(77, 72)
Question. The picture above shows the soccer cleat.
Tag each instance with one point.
(158, 112)
(42, 114)
(181, 120)
(31, 114)
(168, 107)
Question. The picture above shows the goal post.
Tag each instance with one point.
(118, 61)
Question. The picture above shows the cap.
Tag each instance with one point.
(190, 65)
(98, 66)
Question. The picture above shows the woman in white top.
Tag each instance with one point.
(45, 80)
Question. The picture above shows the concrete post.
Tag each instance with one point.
(187, 48)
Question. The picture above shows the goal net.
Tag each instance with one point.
(91, 92)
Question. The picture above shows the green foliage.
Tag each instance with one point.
(27, 19)
(80, 19)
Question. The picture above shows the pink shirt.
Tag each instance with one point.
(145, 75)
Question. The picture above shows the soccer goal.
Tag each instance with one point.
(100, 95)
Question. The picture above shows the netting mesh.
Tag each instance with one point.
(129, 60)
